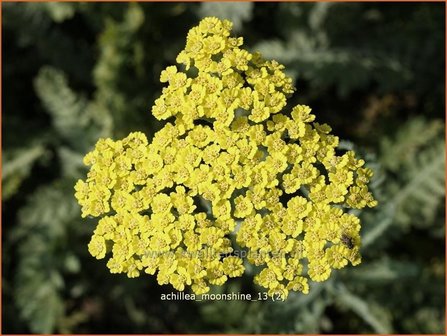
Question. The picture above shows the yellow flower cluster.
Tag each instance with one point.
(271, 180)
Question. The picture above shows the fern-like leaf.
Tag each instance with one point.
(415, 202)
(17, 166)
(418, 201)
(43, 255)
(362, 308)
(73, 117)
(413, 136)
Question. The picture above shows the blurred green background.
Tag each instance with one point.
(74, 72)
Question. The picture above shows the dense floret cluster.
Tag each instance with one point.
(229, 172)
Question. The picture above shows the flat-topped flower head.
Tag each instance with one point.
(231, 169)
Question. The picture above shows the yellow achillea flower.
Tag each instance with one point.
(229, 167)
